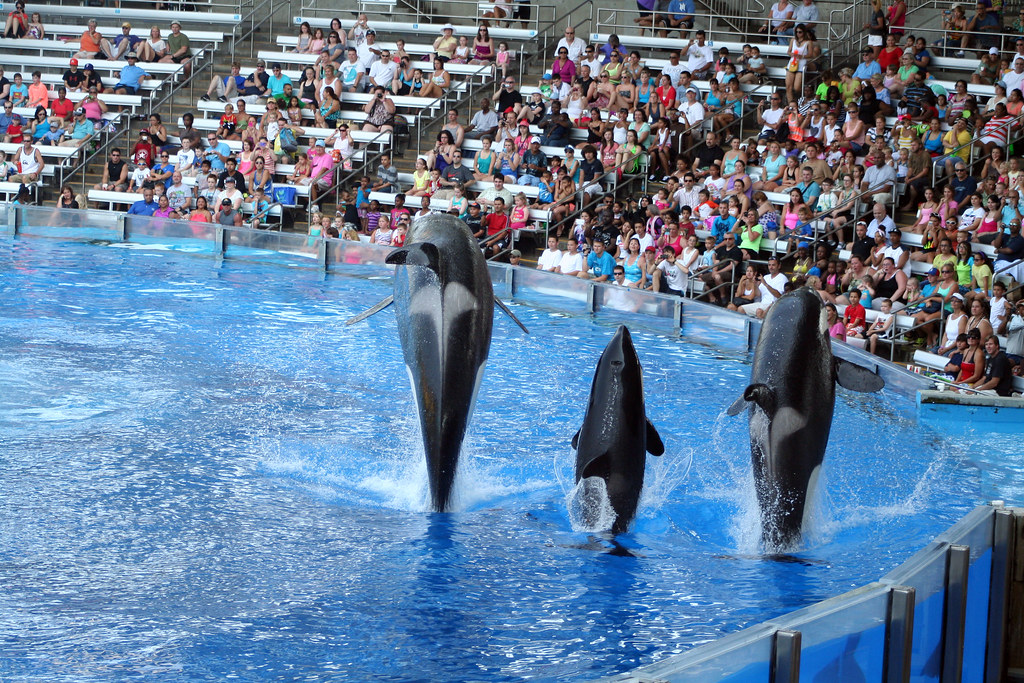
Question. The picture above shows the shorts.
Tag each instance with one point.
(503, 243)
(673, 292)
(179, 60)
(131, 90)
(874, 41)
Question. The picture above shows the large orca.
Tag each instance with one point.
(444, 306)
(616, 435)
(791, 398)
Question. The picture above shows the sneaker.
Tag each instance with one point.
(652, 177)
(960, 53)
(665, 178)
(223, 99)
(205, 98)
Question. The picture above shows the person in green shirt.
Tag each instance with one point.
(178, 49)
(750, 233)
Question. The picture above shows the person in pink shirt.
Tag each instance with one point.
(321, 174)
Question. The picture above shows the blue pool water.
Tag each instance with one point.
(206, 474)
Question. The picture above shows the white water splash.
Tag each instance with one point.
(589, 508)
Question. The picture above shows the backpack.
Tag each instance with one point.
(286, 138)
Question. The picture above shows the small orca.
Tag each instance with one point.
(616, 435)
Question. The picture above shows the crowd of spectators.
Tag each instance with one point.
(824, 145)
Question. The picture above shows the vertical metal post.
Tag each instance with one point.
(590, 297)
(12, 220)
(677, 315)
(219, 241)
(957, 568)
(322, 253)
(899, 635)
(510, 281)
(786, 657)
(122, 227)
(999, 591)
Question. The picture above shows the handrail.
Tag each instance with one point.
(975, 138)
(266, 212)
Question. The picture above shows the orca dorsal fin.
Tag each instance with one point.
(855, 378)
(419, 254)
(655, 446)
(505, 309)
(576, 438)
(377, 308)
(761, 394)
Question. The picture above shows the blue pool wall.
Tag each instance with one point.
(938, 616)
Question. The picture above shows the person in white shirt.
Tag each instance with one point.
(881, 221)
(691, 114)
(592, 59)
(646, 239)
(574, 45)
(699, 58)
(382, 72)
(185, 162)
(770, 286)
(1015, 79)
(368, 52)
(484, 122)
(771, 118)
(552, 256)
(572, 260)
(674, 67)
(230, 192)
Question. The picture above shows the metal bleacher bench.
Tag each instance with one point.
(153, 16)
(212, 108)
(60, 64)
(382, 140)
(468, 70)
(934, 361)
(141, 31)
(433, 30)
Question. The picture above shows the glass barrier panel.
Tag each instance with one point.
(88, 224)
(634, 307)
(171, 235)
(843, 639)
(979, 537)
(926, 573)
(743, 657)
(552, 290)
(5, 215)
(500, 273)
(269, 247)
(348, 253)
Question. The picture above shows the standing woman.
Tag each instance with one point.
(876, 27)
(799, 52)
(897, 17)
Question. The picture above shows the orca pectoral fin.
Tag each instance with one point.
(576, 438)
(655, 446)
(737, 407)
(855, 378)
(761, 394)
(505, 309)
(387, 301)
(420, 254)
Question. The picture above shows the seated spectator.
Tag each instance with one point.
(94, 45)
(130, 77)
(154, 48)
(998, 378)
(228, 214)
(125, 41)
(226, 87)
(81, 130)
(770, 288)
(146, 206)
(982, 29)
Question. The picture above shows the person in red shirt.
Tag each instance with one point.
(17, 22)
(497, 224)
(855, 317)
(62, 107)
(143, 150)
